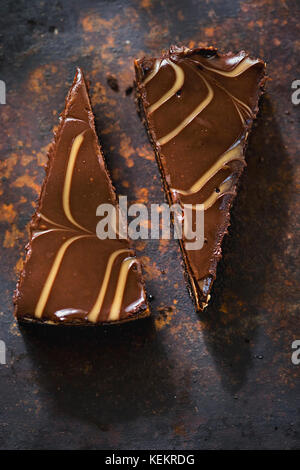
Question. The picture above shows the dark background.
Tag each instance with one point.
(223, 379)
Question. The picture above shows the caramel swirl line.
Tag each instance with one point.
(164, 140)
(52, 275)
(239, 105)
(234, 153)
(246, 108)
(94, 312)
(156, 68)
(77, 142)
(224, 188)
(236, 102)
(179, 80)
(46, 219)
(38, 233)
(117, 301)
(239, 111)
(242, 66)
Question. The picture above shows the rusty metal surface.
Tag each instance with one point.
(220, 380)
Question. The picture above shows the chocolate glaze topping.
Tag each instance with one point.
(198, 106)
(71, 276)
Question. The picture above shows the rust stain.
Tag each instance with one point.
(41, 156)
(140, 245)
(11, 237)
(180, 15)
(209, 32)
(37, 80)
(7, 213)
(223, 308)
(126, 150)
(111, 128)
(164, 317)
(14, 330)
(150, 267)
(146, 4)
(157, 31)
(142, 195)
(98, 94)
(179, 429)
(26, 180)
(106, 49)
(164, 245)
(116, 174)
(145, 152)
(125, 76)
(19, 265)
(94, 23)
(7, 166)
(26, 159)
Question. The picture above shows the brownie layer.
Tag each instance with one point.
(198, 106)
(70, 275)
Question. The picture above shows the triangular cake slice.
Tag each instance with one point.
(198, 106)
(70, 275)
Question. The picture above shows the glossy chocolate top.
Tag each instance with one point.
(70, 275)
(199, 106)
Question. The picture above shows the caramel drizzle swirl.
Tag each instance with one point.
(179, 80)
(42, 216)
(234, 152)
(241, 107)
(125, 267)
(164, 140)
(94, 312)
(152, 74)
(117, 302)
(52, 275)
(68, 180)
(224, 188)
(240, 68)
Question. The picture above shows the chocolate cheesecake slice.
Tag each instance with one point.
(198, 107)
(71, 276)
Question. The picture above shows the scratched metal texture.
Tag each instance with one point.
(223, 379)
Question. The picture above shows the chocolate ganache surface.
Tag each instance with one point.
(198, 107)
(70, 275)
